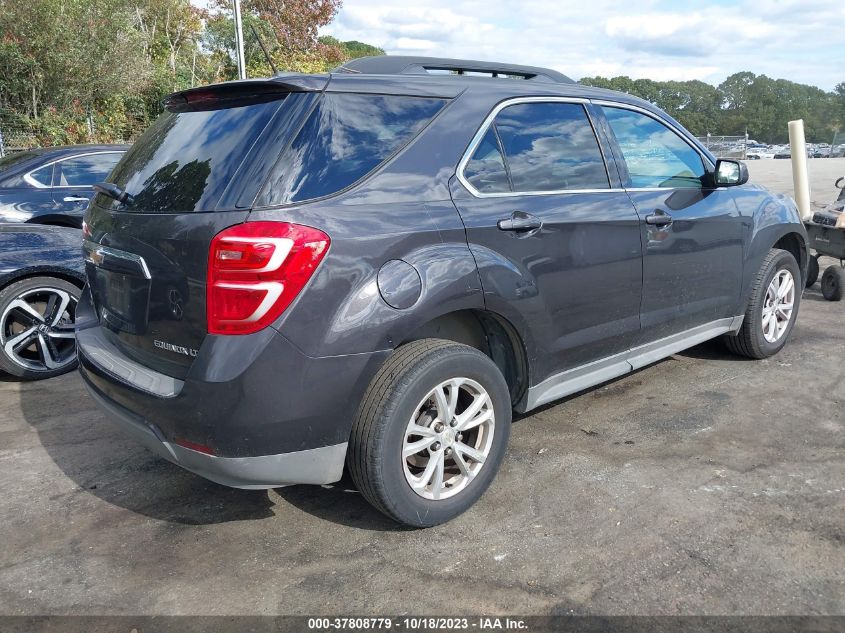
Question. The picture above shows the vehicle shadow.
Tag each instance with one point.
(340, 503)
(713, 350)
(107, 464)
(104, 462)
(4, 377)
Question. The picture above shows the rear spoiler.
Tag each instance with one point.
(232, 94)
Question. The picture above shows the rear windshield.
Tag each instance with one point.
(185, 160)
(345, 137)
(16, 158)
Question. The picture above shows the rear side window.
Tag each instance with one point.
(84, 171)
(486, 170)
(42, 176)
(185, 160)
(345, 138)
(655, 155)
(550, 147)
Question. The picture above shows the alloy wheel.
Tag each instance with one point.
(448, 438)
(37, 329)
(778, 305)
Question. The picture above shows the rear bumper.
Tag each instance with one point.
(270, 414)
(322, 465)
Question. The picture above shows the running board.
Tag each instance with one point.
(574, 380)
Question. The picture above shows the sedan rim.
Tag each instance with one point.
(778, 306)
(37, 329)
(448, 439)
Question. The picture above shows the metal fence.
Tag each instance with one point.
(15, 137)
(726, 146)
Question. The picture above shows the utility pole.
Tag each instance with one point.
(239, 39)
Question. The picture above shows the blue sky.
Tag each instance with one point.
(800, 40)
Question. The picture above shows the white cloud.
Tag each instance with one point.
(798, 40)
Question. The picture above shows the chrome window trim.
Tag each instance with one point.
(30, 180)
(488, 121)
(678, 131)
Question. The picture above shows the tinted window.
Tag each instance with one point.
(86, 170)
(185, 160)
(486, 169)
(344, 139)
(43, 176)
(655, 155)
(551, 147)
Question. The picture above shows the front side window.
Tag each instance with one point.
(550, 146)
(655, 155)
(84, 171)
(344, 139)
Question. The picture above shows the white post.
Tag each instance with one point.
(239, 40)
(798, 151)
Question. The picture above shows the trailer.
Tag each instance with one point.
(826, 232)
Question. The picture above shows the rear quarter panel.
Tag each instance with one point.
(403, 211)
(27, 250)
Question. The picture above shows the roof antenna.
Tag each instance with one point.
(264, 50)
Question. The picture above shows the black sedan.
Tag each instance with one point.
(41, 278)
(53, 185)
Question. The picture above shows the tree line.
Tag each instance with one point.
(97, 70)
(744, 102)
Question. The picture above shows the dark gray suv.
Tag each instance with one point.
(370, 269)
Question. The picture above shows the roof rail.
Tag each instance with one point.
(408, 65)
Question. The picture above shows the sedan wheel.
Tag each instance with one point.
(37, 327)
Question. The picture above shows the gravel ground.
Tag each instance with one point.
(703, 484)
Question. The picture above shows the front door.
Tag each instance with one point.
(558, 248)
(692, 231)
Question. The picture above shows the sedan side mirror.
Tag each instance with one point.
(730, 173)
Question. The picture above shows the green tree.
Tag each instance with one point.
(65, 52)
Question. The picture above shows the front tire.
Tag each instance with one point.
(37, 338)
(772, 309)
(431, 432)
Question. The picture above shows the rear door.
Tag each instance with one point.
(74, 178)
(691, 231)
(27, 196)
(557, 241)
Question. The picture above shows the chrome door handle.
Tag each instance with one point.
(658, 218)
(520, 221)
(75, 199)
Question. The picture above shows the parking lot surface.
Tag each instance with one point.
(703, 484)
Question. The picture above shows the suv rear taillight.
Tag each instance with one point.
(255, 271)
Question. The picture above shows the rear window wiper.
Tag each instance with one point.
(113, 191)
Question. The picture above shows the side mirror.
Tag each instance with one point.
(730, 173)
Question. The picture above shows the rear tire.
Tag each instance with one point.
(812, 272)
(833, 283)
(759, 337)
(37, 317)
(429, 389)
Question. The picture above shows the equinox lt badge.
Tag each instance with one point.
(170, 347)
